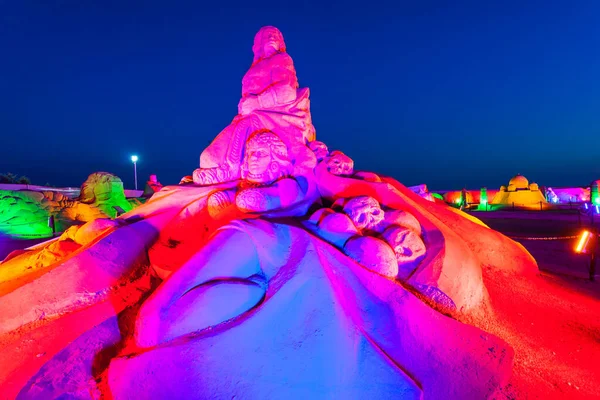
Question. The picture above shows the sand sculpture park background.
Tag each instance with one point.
(278, 271)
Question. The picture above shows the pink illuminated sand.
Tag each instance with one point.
(280, 272)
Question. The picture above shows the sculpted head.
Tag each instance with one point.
(407, 245)
(101, 186)
(364, 211)
(339, 164)
(266, 158)
(320, 149)
(373, 254)
(267, 42)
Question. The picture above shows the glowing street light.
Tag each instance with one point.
(135, 159)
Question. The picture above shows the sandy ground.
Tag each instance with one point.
(552, 321)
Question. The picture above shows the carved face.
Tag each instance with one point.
(259, 159)
(365, 212)
(266, 159)
(267, 42)
(340, 164)
(407, 245)
(320, 149)
(270, 42)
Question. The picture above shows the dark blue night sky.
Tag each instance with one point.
(428, 92)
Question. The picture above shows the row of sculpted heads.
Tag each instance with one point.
(387, 241)
(267, 158)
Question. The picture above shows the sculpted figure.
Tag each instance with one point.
(398, 228)
(344, 232)
(367, 215)
(365, 212)
(407, 246)
(104, 191)
(266, 183)
(387, 242)
(551, 196)
(339, 164)
(320, 149)
(372, 253)
(152, 186)
(334, 227)
(270, 100)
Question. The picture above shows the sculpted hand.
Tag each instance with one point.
(218, 202)
(251, 200)
(210, 176)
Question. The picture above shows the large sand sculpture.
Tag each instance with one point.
(25, 213)
(280, 273)
(521, 193)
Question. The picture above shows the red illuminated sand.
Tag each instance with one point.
(552, 321)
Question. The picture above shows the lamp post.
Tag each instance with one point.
(134, 159)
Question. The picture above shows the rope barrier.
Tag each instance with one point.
(34, 235)
(544, 238)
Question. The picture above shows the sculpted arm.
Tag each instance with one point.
(280, 195)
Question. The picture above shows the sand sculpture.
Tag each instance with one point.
(152, 186)
(279, 273)
(270, 100)
(25, 213)
(105, 192)
(520, 193)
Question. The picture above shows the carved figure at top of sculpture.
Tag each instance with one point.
(320, 149)
(271, 80)
(270, 100)
(339, 164)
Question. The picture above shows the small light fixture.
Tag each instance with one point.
(585, 244)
